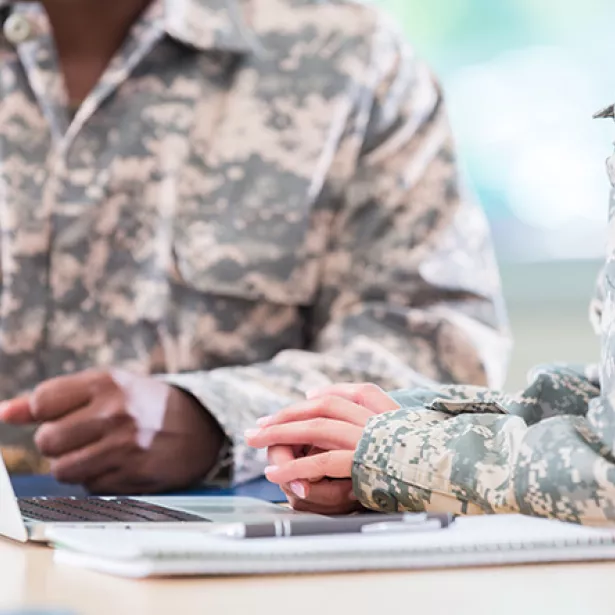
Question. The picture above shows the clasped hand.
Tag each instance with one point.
(311, 445)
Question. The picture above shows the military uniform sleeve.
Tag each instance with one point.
(548, 452)
(410, 292)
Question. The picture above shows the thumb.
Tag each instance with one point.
(332, 464)
(16, 411)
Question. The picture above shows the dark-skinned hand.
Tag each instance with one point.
(115, 432)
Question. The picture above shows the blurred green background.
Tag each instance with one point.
(522, 79)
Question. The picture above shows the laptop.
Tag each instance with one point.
(30, 519)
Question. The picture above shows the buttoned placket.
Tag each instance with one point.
(28, 30)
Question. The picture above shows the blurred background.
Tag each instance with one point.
(523, 79)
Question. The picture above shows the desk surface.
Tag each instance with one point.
(30, 579)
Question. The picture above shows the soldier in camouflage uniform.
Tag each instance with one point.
(548, 451)
(210, 207)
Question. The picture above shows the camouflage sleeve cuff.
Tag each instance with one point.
(221, 473)
(408, 460)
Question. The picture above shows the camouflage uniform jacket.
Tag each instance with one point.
(259, 197)
(548, 451)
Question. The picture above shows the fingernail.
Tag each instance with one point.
(312, 393)
(298, 489)
(270, 469)
(3, 406)
(250, 433)
(265, 420)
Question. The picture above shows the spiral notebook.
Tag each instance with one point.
(470, 541)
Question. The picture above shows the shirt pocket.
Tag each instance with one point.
(247, 253)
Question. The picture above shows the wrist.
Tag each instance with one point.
(210, 434)
(215, 439)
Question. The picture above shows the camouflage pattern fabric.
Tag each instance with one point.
(548, 451)
(258, 198)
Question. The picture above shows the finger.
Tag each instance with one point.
(324, 492)
(72, 432)
(369, 396)
(328, 498)
(91, 462)
(80, 428)
(343, 508)
(325, 407)
(291, 496)
(332, 493)
(322, 432)
(281, 455)
(16, 411)
(60, 396)
(333, 464)
(292, 499)
(314, 450)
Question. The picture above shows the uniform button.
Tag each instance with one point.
(17, 29)
(385, 501)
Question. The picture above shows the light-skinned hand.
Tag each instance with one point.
(311, 445)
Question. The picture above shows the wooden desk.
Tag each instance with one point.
(29, 578)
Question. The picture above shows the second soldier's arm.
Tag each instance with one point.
(548, 452)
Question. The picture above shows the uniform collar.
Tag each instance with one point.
(202, 24)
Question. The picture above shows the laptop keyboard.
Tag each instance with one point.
(97, 510)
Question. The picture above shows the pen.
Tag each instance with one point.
(320, 526)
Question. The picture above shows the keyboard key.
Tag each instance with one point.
(96, 510)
